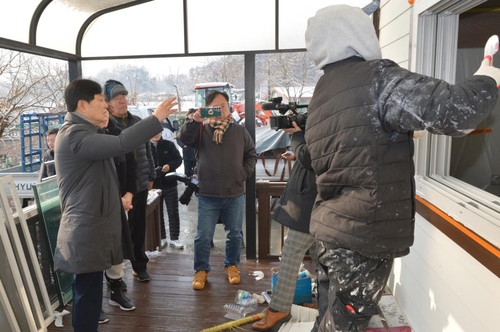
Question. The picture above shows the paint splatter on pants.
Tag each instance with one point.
(355, 284)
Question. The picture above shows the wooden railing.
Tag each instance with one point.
(267, 192)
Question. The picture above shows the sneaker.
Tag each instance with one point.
(103, 318)
(142, 276)
(176, 244)
(270, 320)
(164, 243)
(233, 274)
(118, 299)
(123, 285)
(200, 279)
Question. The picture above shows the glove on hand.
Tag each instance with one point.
(487, 70)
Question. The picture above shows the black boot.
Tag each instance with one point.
(117, 298)
(123, 285)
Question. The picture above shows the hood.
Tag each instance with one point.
(339, 32)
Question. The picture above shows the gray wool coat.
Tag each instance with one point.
(89, 237)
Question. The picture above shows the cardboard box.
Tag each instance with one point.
(303, 288)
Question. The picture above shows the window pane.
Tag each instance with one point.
(475, 158)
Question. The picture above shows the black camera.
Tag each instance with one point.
(191, 186)
(285, 121)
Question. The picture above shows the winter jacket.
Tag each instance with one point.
(359, 132)
(165, 152)
(126, 165)
(188, 153)
(222, 168)
(47, 169)
(296, 203)
(89, 237)
(126, 169)
(145, 164)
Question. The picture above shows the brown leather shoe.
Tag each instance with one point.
(233, 274)
(200, 279)
(270, 320)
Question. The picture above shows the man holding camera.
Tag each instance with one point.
(226, 159)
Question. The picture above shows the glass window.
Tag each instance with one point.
(460, 175)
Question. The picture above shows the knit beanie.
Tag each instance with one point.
(339, 32)
(113, 88)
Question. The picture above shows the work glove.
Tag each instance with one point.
(487, 69)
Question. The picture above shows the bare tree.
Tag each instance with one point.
(29, 83)
(228, 68)
(291, 72)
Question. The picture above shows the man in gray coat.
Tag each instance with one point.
(89, 238)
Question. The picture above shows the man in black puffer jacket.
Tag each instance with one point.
(359, 132)
(115, 95)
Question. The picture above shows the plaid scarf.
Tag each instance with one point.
(220, 127)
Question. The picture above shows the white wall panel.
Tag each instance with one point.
(392, 10)
(397, 51)
(398, 28)
(442, 284)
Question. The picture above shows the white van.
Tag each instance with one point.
(169, 127)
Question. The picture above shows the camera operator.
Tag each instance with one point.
(226, 159)
(293, 211)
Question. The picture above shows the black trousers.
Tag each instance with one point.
(137, 222)
(355, 284)
(170, 196)
(189, 167)
(87, 301)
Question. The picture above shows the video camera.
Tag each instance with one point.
(191, 186)
(285, 121)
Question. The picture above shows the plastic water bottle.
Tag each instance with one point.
(242, 295)
(237, 311)
(234, 311)
(266, 297)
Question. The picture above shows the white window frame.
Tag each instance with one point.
(435, 51)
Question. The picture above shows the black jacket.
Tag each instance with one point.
(126, 165)
(359, 132)
(126, 169)
(296, 203)
(165, 152)
(145, 164)
(47, 170)
(188, 153)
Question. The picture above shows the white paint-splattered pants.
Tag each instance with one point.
(355, 285)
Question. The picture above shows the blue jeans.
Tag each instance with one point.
(209, 210)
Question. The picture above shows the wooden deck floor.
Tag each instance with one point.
(169, 303)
